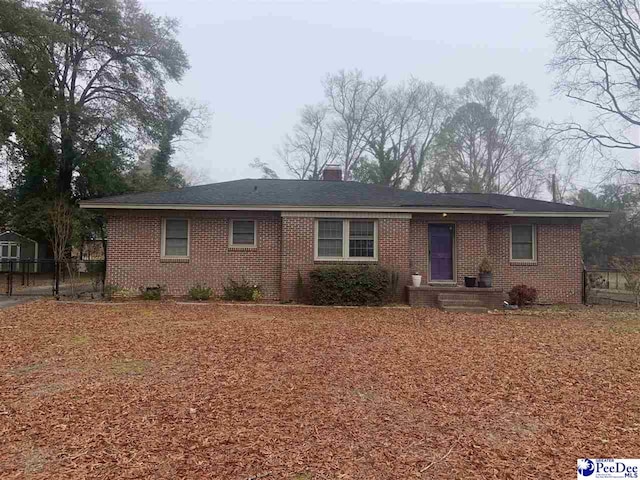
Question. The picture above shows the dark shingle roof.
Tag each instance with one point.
(306, 193)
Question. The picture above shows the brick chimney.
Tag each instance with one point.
(332, 173)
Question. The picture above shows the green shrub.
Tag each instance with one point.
(522, 295)
(242, 291)
(200, 292)
(152, 293)
(349, 285)
(94, 266)
(111, 290)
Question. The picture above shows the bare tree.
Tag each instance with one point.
(263, 168)
(564, 163)
(350, 97)
(629, 267)
(311, 146)
(597, 60)
(193, 175)
(404, 123)
(61, 216)
(491, 143)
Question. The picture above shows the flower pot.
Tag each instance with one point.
(469, 282)
(485, 280)
(416, 280)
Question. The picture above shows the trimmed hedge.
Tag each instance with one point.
(349, 285)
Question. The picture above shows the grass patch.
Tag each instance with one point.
(26, 369)
(625, 329)
(129, 367)
(303, 476)
(79, 340)
(35, 461)
(364, 394)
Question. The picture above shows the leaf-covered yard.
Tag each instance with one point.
(177, 391)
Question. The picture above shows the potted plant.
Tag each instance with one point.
(416, 279)
(469, 282)
(485, 279)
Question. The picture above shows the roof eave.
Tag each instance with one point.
(560, 214)
(292, 208)
(345, 208)
(18, 234)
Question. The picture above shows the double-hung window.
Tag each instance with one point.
(9, 250)
(342, 239)
(523, 243)
(242, 233)
(175, 238)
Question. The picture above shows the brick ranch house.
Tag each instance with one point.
(267, 231)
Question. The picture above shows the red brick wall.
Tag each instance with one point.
(394, 249)
(298, 251)
(470, 243)
(557, 274)
(286, 246)
(133, 252)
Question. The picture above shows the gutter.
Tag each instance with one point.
(561, 214)
(289, 208)
(319, 208)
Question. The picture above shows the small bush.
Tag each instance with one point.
(242, 291)
(200, 292)
(349, 285)
(152, 293)
(522, 295)
(111, 290)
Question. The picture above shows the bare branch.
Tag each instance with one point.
(597, 60)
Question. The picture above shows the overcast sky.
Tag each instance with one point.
(256, 63)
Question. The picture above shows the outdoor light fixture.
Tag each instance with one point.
(444, 214)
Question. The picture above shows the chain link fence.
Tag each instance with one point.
(72, 278)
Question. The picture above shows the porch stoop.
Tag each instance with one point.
(456, 299)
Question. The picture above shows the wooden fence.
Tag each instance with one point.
(605, 286)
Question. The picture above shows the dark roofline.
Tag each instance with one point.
(320, 195)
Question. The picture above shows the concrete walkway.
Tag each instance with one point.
(6, 302)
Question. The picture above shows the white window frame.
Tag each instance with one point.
(345, 241)
(534, 243)
(163, 239)
(255, 233)
(9, 245)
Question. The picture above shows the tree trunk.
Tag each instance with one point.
(67, 162)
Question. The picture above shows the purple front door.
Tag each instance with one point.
(441, 251)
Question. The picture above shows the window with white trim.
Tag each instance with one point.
(342, 239)
(9, 250)
(175, 238)
(523, 243)
(242, 233)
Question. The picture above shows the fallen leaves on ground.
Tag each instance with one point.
(210, 391)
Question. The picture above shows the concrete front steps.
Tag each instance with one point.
(456, 302)
(454, 298)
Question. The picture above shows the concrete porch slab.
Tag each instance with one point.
(452, 296)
